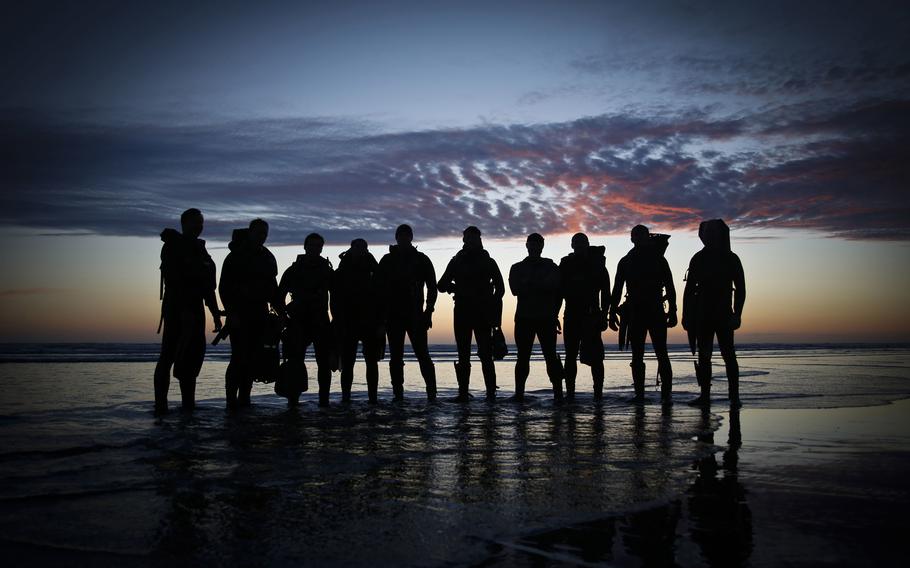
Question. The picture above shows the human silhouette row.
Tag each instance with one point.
(373, 304)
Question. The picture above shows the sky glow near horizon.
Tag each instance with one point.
(792, 122)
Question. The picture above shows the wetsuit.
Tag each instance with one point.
(585, 286)
(536, 283)
(188, 277)
(248, 285)
(354, 305)
(646, 274)
(402, 275)
(309, 281)
(474, 278)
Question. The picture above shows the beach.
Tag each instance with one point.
(812, 470)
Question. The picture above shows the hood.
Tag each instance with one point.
(714, 234)
(171, 235)
(473, 253)
(238, 239)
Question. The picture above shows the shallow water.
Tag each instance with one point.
(89, 475)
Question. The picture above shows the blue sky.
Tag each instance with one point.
(349, 118)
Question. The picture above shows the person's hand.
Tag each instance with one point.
(614, 321)
(685, 322)
(671, 319)
(558, 327)
(604, 321)
(216, 317)
(428, 319)
(735, 321)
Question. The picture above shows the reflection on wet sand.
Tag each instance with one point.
(709, 525)
(406, 483)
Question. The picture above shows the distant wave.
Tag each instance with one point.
(148, 352)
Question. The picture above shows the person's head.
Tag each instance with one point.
(714, 234)
(404, 234)
(471, 238)
(534, 244)
(358, 247)
(580, 243)
(259, 231)
(191, 223)
(313, 244)
(640, 235)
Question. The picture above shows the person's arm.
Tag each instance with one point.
(283, 289)
(739, 292)
(617, 293)
(689, 293)
(446, 284)
(605, 299)
(499, 287)
(671, 293)
(430, 283)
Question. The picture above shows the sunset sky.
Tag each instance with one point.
(791, 120)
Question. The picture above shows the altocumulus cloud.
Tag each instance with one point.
(843, 170)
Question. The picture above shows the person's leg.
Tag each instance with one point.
(572, 340)
(524, 341)
(396, 333)
(546, 335)
(637, 333)
(658, 333)
(463, 343)
(596, 346)
(417, 333)
(703, 372)
(189, 356)
(728, 352)
(348, 357)
(252, 339)
(483, 334)
(162, 380)
(322, 345)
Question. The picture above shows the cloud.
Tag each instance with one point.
(13, 292)
(842, 170)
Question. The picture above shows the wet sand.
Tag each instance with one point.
(89, 477)
(816, 487)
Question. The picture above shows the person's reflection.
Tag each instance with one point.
(180, 534)
(721, 519)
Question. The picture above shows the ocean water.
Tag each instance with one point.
(90, 476)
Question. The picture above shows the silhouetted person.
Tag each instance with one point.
(188, 281)
(356, 316)
(309, 281)
(646, 275)
(402, 275)
(247, 287)
(585, 286)
(475, 280)
(714, 298)
(536, 283)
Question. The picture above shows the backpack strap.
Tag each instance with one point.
(161, 299)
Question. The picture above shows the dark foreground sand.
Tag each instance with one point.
(820, 487)
(477, 487)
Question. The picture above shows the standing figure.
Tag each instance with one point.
(475, 280)
(309, 281)
(247, 287)
(713, 305)
(354, 306)
(585, 286)
(188, 282)
(646, 275)
(403, 274)
(536, 282)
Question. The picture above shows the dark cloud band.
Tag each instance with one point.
(839, 170)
